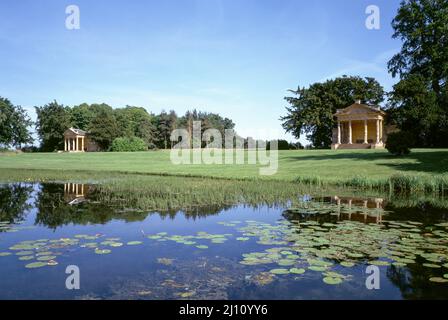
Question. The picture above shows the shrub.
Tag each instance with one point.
(125, 144)
(399, 143)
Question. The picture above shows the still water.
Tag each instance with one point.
(314, 248)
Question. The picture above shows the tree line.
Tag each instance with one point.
(106, 124)
(123, 129)
(418, 102)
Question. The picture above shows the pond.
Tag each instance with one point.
(310, 247)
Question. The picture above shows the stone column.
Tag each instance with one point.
(82, 144)
(365, 132)
(65, 144)
(76, 143)
(381, 131)
(339, 132)
(377, 131)
(350, 132)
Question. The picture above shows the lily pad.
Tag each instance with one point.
(333, 280)
(438, 280)
(102, 251)
(134, 243)
(297, 270)
(45, 258)
(5, 254)
(347, 264)
(279, 271)
(26, 258)
(36, 265)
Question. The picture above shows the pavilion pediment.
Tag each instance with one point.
(358, 109)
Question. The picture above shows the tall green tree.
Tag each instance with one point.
(52, 121)
(14, 124)
(82, 115)
(311, 109)
(419, 102)
(103, 129)
(136, 122)
(165, 124)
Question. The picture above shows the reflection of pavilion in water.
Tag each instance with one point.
(367, 210)
(75, 193)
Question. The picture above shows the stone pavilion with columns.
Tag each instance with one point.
(360, 126)
(77, 140)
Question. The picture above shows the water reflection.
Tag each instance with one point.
(337, 228)
(75, 193)
(14, 202)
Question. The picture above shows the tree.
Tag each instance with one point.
(52, 121)
(136, 122)
(165, 124)
(208, 121)
(419, 101)
(14, 124)
(311, 109)
(413, 108)
(103, 129)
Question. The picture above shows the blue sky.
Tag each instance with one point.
(234, 57)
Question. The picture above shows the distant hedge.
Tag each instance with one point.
(128, 145)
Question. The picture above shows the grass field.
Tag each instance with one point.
(424, 168)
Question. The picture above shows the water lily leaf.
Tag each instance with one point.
(134, 243)
(297, 270)
(438, 280)
(5, 254)
(317, 268)
(36, 265)
(202, 247)
(45, 258)
(347, 264)
(279, 271)
(431, 265)
(26, 258)
(332, 280)
(243, 238)
(102, 251)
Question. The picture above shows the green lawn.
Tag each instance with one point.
(323, 165)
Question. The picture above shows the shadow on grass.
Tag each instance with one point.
(419, 161)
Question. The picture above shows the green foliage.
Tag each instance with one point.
(14, 123)
(136, 122)
(82, 115)
(208, 121)
(104, 129)
(419, 102)
(311, 109)
(165, 124)
(399, 143)
(126, 144)
(52, 121)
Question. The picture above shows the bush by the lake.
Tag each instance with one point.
(124, 144)
(399, 143)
